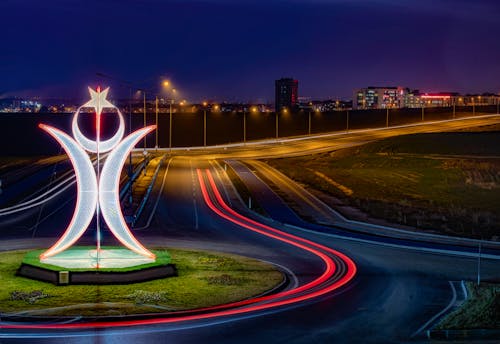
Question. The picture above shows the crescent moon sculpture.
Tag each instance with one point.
(109, 199)
(86, 200)
(91, 145)
(92, 195)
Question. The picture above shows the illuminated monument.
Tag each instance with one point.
(98, 193)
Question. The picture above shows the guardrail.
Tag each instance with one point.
(141, 207)
(131, 180)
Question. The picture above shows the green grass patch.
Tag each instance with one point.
(480, 311)
(444, 182)
(199, 284)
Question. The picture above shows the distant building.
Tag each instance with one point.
(287, 93)
(19, 105)
(379, 98)
(412, 99)
(327, 105)
(402, 97)
(437, 99)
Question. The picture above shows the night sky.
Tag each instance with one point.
(235, 49)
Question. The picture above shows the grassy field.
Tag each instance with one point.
(480, 311)
(205, 279)
(442, 182)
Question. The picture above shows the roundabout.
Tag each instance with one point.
(337, 271)
(203, 279)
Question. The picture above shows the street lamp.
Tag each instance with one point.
(285, 111)
(387, 118)
(166, 84)
(347, 121)
(205, 124)
(254, 110)
(144, 101)
(309, 128)
(156, 131)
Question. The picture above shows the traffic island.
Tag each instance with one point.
(204, 279)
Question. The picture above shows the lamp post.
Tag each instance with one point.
(170, 127)
(144, 98)
(244, 126)
(309, 124)
(387, 118)
(156, 131)
(167, 85)
(285, 110)
(454, 110)
(130, 154)
(347, 121)
(205, 124)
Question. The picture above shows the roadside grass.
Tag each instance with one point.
(480, 311)
(444, 182)
(205, 279)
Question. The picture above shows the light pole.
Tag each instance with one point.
(156, 131)
(347, 121)
(309, 124)
(244, 126)
(170, 127)
(167, 85)
(454, 110)
(205, 124)
(144, 98)
(387, 118)
(130, 154)
(285, 110)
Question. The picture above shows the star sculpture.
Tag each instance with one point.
(98, 101)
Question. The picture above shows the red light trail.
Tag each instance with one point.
(327, 282)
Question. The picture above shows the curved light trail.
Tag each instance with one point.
(338, 271)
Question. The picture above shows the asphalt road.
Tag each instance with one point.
(395, 291)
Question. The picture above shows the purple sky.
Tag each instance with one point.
(235, 49)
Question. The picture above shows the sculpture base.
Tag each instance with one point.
(85, 258)
(78, 265)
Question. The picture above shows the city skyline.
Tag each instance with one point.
(332, 47)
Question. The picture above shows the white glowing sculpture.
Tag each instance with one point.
(97, 192)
